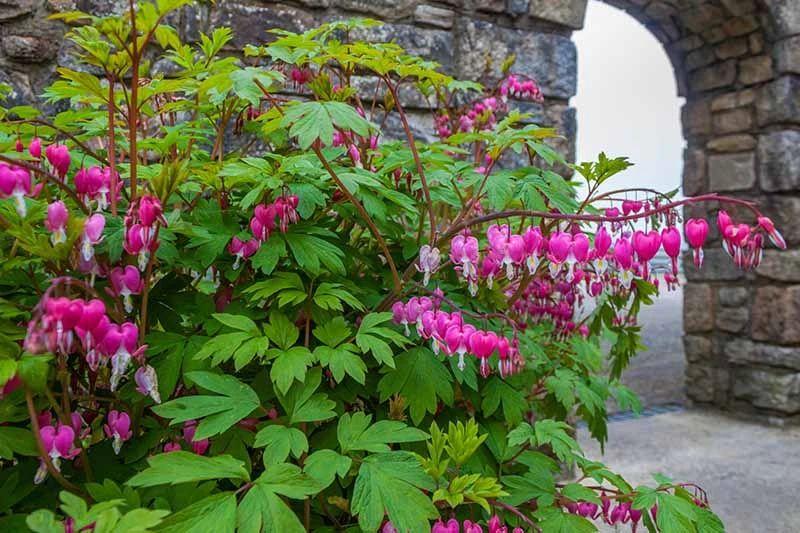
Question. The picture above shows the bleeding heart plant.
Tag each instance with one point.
(226, 307)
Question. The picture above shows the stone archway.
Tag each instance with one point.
(737, 62)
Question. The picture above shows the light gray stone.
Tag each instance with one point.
(694, 172)
(550, 59)
(732, 143)
(779, 101)
(699, 18)
(570, 13)
(743, 351)
(697, 348)
(732, 172)
(717, 266)
(700, 383)
(784, 210)
(781, 265)
(385, 9)
(779, 160)
(739, 7)
(252, 21)
(755, 70)
(786, 17)
(434, 16)
(698, 308)
(740, 25)
(768, 389)
(787, 55)
(776, 314)
(11, 9)
(713, 77)
(733, 100)
(733, 120)
(732, 48)
(696, 117)
(517, 8)
(732, 296)
(732, 319)
(431, 44)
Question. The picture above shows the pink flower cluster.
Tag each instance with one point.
(15, 182)
(65, 326)
(494, 525)
(57, 155)
(200, 447)
(621, 513)
(450, 334)
(125, 282)
(513, 87)
(118, 427)
(93, 184)
(59, 443)
(283, 209)
(140, 228)
(242, 250)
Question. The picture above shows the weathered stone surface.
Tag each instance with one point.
(10, 9)
(700, 58)
(434, 16)
(697, 348)
(787, 55)
(732, 48)
(701, 17)
(779, 160)
(740, 25)
(29, 48)
(570, 13)
(696, 117)
(732, 172)
(517, 8)
(733, 100)
(713, 77)
(732, 319)
(781, 265)
(739, 7)
(769, 389)
(756, 42)
(700, 383)
(408, 95)
(776, 314)
(733, 120)
(743, 351)
(251, 22)
(481, 47)
(714, 35)
(421, 125)
(688, 43)
(694, 172)
(755, 70)
(386, 9)
(698, 307)
(732, 143)
(21, 91)
(732, 296)
(436, 45)
(779, 101)
(717, 266)
(786, 17)
(784, 210)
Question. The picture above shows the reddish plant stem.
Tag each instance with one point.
(455, 228)
(398, 284)
(112, 163)
(513, 510)
(133, 104)
(148, 275)
(415, 154)
(43, 455)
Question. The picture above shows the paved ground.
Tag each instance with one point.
(657, 374)
(751, 472)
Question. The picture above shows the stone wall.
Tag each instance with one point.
(737, 62)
